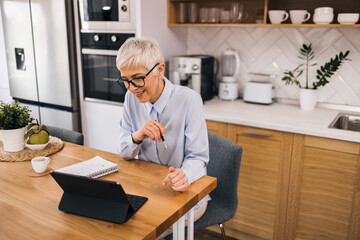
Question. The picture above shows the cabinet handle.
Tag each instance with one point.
(257, 133)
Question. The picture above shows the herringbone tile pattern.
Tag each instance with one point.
(273, 50)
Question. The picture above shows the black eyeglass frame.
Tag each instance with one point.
(122, 81)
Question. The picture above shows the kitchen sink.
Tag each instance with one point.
(346, 121)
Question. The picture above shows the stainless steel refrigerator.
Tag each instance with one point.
(40, 51)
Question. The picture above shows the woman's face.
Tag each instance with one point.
(154, 84)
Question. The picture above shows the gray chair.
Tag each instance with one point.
(224, 164)
(66, 135)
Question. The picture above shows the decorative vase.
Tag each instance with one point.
(13, 139)
(308, 99)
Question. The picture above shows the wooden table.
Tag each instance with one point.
(29, 205)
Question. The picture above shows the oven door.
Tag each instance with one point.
(100, 75)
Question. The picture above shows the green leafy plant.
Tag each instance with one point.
(323, 74)
(14, 116)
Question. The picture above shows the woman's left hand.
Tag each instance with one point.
(178, 179)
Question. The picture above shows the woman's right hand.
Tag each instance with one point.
(151, 129)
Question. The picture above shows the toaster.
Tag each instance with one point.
(258, 92)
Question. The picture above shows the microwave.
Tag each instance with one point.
(107, 15)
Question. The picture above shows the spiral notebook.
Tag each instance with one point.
(94, 168)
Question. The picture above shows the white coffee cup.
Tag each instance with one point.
(39, 164)
(323, 17)
(278, 16)
(299, 16)
(324, 10)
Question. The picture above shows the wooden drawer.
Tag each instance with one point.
(236, 130)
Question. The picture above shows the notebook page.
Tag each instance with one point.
(94, 167)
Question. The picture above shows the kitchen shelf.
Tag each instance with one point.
(260, 25)
(252, 7)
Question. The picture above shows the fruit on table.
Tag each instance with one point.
(37, 134)
(39, 138)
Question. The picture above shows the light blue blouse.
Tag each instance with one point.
(180, 110)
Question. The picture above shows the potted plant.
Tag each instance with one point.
(308, 96)
(13, 121)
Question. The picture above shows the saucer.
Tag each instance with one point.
(32, 173)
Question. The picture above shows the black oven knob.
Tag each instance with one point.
(113, 38)
(96, 38)
(124, 8)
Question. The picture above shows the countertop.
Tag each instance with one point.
(278, 116)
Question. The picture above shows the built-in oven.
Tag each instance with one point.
(108, 15)
(99, 52)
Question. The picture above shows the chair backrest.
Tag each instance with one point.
(224, 164)
(66, 135)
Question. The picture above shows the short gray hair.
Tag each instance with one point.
(139, 52)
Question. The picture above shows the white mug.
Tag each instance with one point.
(278, 16)
(323, 17)
(324, 10)
(39, 164)
(299, 16)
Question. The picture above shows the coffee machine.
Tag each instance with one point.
(196, 72)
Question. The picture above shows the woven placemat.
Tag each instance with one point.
(55, 145)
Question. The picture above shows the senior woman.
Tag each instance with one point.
(154, 108)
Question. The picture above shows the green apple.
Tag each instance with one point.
(41, 137)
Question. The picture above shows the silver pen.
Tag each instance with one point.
(163, 139)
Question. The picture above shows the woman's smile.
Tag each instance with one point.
(139, 94)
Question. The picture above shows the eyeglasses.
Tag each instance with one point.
(136, 82)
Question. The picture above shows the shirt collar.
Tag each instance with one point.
(160, 104)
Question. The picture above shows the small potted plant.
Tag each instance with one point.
(13, 121)
(308, 97)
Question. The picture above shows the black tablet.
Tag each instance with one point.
(96, 198)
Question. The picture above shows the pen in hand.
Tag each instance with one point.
(163, 139)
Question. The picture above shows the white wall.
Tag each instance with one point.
(269, 50)
(153, 22)
(4, 79)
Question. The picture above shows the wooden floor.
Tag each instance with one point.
(209, 235)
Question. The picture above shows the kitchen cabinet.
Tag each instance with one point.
(294, 186)
(259, 8)
(324, 194)
(218, 128)
(263, 181)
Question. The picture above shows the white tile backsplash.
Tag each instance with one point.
(269, 50)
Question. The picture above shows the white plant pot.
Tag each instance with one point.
(308, 99)
(13, 140)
